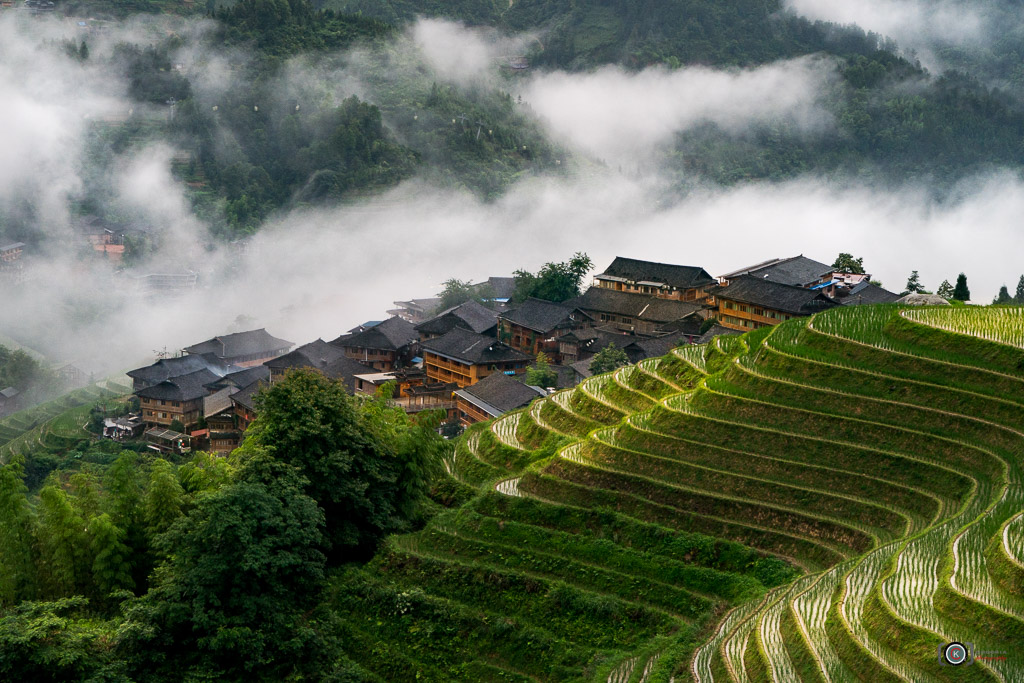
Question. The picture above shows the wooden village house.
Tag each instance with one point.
(465, 357)
(751, 302)
(535, 325)
(663, 280)
(386, 346)
(492, 397)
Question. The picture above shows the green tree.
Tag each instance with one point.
(177, 426)
(541, 374)
(607, 359)
(54, 642)
(367, 465)
(945, 290)
(554, 281)
(1003, 297)
(164, 498)
(960, 291)
(914, 285)
(1019, 298)
(847, 264)
(243, 567)
(17, 570)
(111, 566)
(456, 292)
(63, 545)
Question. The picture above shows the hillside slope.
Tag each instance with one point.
(829, 499)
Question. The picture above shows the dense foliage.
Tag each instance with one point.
(136, 567)
(607, 359)
(554, 281)
(366, 465)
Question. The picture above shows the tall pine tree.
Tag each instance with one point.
(1019, 298)
(960, 291)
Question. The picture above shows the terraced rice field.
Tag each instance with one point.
(57, 422)
(831, 499)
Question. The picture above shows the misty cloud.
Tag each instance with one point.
(924, 26)
(318, 272)
(619, 115)
(466, 56)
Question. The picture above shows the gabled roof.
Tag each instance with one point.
(9, 392)
(472, 348)
(245, 396)
(12, 246)
(470, 315)
(650, 348)
(750, 289)
(656, 274)
(498, 287)
(543, 316)
(497, 394)
(166, 368)
(181, 388)
(639, 306)
(865, 293)
(315, 354)
(242, 378)
(795, 270)
(240, 344)
(390, 335)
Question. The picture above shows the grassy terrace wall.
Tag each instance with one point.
(830, 499)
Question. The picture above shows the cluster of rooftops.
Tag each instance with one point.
(470, 359)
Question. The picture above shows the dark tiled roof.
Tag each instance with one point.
(472, 348)
(865, 293)
(497, 394)
(345, 370)
(650, 348)
(470, 315)
(244, 397)
(751, 289)
(315, 354)
(390, 335)
(173, 367)
(181, 388)
(240, 344)
(639, 306)
(715, 331)
(796, 270)
(635, 270)
(542, 316)
(9, 392)
(242, 378)
(498, 287)
(582, 368)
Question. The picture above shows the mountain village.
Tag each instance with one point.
(471, 360)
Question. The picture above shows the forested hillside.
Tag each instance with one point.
(267, 141)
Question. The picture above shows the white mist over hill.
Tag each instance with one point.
(318, 272)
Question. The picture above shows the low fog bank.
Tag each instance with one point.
(925, 27)
(318, 272)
